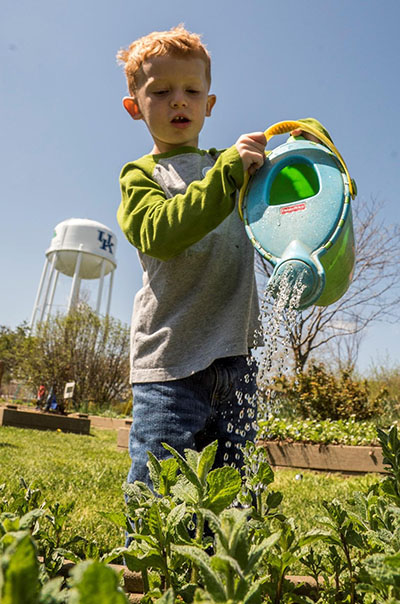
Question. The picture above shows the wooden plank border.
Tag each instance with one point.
(38, 420)
(133, 584)
(328, 458)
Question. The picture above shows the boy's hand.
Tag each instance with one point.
(251, 150)
(306, 135)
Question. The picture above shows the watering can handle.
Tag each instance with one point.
(288, 126)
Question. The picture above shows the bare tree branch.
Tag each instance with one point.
(374, 294)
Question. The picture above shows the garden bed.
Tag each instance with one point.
(329, 458)
(133, 584)
(21, 416)
(345, 459)
(12, 415)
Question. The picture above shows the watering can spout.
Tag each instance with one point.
(301, 272)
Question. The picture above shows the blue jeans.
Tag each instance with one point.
(217, 403)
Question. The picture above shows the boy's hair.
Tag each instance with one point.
(176, 41)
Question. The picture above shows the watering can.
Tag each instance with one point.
(297, 213)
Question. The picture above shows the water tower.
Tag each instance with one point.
(81, 249)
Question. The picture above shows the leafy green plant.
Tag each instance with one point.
(25, 509)
(231, 574)
(206, 535)
(22, 500)
(362, 560)
(244, 553)
(22, 581)
(391, 455)
(342, 431)
(175, 514)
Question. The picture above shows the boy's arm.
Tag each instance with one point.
(164, 227)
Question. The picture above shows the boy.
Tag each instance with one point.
(195, 318)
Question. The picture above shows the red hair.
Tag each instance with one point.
(176, 41)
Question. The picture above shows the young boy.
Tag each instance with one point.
(195, 318)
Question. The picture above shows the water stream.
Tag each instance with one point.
(278, 313)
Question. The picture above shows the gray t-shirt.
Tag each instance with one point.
(200, 304)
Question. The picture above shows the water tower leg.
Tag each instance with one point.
(53, 264)
(39, 292)
(53, 290)
(75, 282)
(100, 292)
(109, 293)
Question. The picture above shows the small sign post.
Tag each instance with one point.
(68, 392)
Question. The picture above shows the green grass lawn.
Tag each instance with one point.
(89, 471)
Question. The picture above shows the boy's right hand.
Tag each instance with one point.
(251, 150)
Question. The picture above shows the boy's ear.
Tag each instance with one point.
(210, 104)
(132, 107)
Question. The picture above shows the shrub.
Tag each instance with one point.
(81, 347)
(385, 374)
(320, 394)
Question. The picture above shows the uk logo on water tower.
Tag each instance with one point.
(106, 241)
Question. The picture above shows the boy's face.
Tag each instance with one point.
(172, 98)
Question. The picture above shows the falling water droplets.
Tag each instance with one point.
(278, 317)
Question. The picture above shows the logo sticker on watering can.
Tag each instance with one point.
(297, 214)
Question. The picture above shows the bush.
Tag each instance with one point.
(92, 351)
(386, 374)
(320, 394)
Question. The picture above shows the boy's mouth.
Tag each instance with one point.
(180, 120)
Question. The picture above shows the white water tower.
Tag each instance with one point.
(81, 249)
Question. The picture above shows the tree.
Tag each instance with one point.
(374, 294)
(10, 341)
(81, 347)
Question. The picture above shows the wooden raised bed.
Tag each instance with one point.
(123, 438)
(108, 423)
(11, 415)
(305, 456)
(329, 458)
(133, 584)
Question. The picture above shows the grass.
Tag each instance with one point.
(304, 491)
(89, 471)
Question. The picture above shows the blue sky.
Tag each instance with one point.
(65, 136)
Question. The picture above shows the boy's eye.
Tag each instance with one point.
(192, 91)
(160, 92)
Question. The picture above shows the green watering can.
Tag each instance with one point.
(297, 214)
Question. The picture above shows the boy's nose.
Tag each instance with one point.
(178, 100)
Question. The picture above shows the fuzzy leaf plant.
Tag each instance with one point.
(185, 488)
(233, 573)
